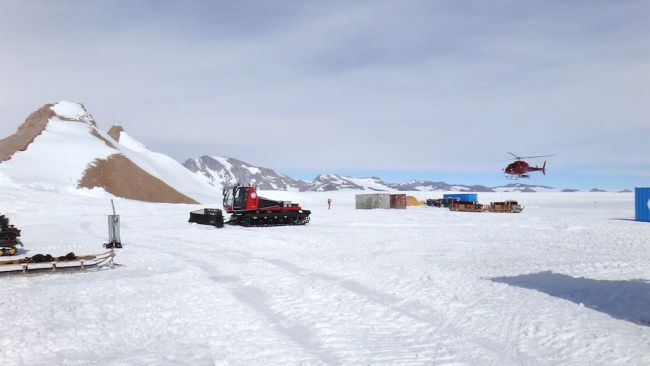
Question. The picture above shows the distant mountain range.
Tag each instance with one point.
(222, 171)
(59, 147)
(333, 182)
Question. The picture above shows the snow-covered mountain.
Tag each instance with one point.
(222, 171)
(164, 167)
(419, 185)
(334, 182)
(521, 187)
(60, 148)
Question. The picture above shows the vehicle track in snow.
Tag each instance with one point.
(241, 296)
(371, 287)
(442, 329)
(255, 299)
(568, 253)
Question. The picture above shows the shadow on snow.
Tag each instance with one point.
(626, 300)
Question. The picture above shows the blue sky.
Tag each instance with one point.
(437, 90)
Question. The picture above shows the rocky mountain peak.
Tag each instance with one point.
(74, 112)
(115, 132)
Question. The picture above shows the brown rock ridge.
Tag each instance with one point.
(95, 133)
(121, 177)
(33, 126)
(116, 174)
(115, 132)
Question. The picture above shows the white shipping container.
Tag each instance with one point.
(374, 200)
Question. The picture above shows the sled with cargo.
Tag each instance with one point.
(465, 206)
(40, 263)
(441, 202)
(70, 262)
(509, 206)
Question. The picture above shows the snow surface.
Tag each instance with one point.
(424, 188)
(369, 184)
(564, 282)
(223, 175)
(253, 170)
(58, 157)
(168, 170)
(130, 143)
(69, 110)
(459, 189)
(223, 161)
(535, 188)
(348, 183)
(219, 177)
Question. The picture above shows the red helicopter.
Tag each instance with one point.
(520, 168)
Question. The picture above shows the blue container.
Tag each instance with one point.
(465, 197)
(642, 199)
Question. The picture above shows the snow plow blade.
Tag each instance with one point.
(47, 263)
(207, 216)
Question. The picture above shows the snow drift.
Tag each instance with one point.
(164, 167)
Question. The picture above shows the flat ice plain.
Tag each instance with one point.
(566, 282)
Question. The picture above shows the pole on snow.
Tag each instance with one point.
(114, 240)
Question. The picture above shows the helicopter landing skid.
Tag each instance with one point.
(517, 177)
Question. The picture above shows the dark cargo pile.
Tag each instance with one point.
(8, 237)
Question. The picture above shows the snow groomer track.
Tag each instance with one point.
(563, 282)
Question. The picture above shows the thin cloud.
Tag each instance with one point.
(339, 86)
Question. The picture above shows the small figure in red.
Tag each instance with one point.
(329, 203)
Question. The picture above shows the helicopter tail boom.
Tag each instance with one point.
(538, 168)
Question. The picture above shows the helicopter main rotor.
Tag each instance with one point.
(528, 157)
